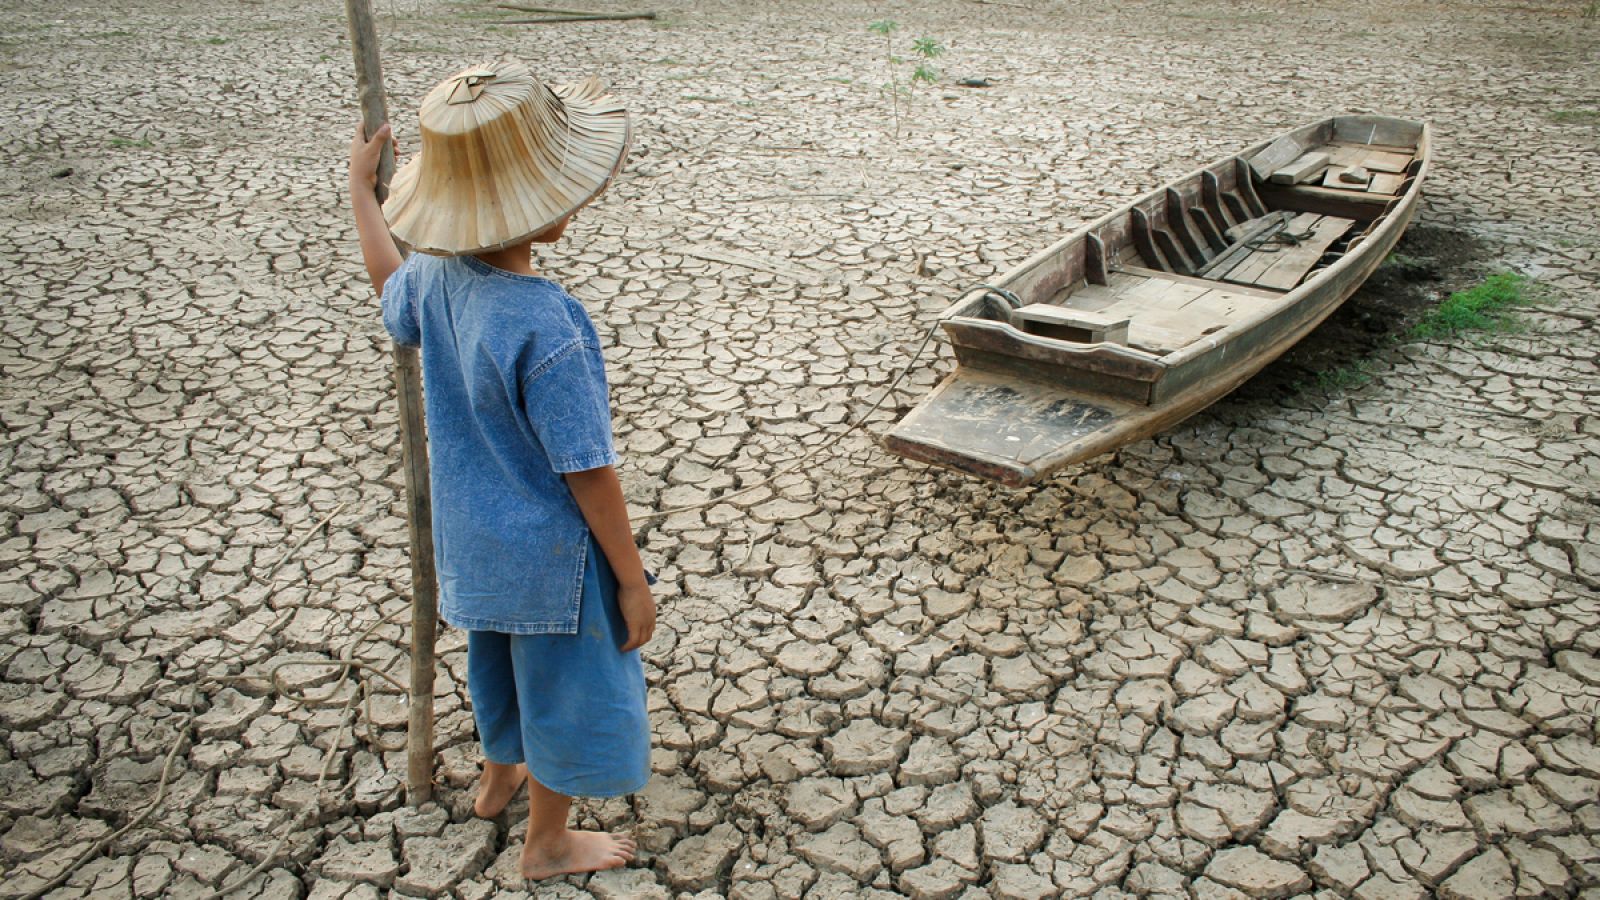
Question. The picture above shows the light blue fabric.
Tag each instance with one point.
(516, 396)
(570, 706)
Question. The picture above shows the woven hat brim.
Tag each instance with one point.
(516, 184)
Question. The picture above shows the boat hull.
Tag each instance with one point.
(1003, 417)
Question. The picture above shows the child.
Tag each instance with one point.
(535, 554)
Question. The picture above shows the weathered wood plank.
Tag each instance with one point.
(1277, 154)
(993, 425)
(1266, 249)
(1384, 161)
(1368, 129)
(1386, 183)
(1344, 155)
(1293, 263)
(1327, 201)
(1240, 249)
(1170, 249)
(1155, 339)
(1064, 323)
(1305, 167)
(1363, 147)
(1259, 293)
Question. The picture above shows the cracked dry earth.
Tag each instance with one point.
(1326, 643)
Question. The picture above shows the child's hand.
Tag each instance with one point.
(364, 155)
(639, 612)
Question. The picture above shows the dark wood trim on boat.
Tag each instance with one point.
(1211, 200)
(1169, 247)
(1094, 259)
(1326, 201)
(1179, 223)
(1208, 229)
(1144, 241)
(1246, 188)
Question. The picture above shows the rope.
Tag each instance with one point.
(1002, 293)
(1287, 238)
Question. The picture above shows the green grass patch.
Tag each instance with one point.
(122, 143)
(1485, 307)
(1575, 116)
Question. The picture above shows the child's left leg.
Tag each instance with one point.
(550, 848)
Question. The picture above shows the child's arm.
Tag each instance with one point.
(599, 496)
(377, 247)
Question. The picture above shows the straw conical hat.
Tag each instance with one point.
(503, 158)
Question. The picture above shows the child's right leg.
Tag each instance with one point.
(551, 848)
(492, 682)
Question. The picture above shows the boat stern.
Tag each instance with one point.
(1001, 428)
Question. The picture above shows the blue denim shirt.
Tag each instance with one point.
(516, 395)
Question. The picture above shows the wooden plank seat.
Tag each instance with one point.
(1386, 165)
(1162, 313)
(1280, 257)
(1065, 323)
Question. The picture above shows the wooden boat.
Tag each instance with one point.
(1157, 310)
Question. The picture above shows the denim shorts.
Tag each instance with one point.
(570, 706)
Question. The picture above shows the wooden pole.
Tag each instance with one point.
(413, 445)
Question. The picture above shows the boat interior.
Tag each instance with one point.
(1223, 247)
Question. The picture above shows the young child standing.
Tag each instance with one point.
(534, 550)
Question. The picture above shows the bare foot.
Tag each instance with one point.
(576, 851)
(496, 788)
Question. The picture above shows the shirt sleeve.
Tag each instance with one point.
(566, 403)
(400, 306)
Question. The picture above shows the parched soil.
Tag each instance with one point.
(1336, 636)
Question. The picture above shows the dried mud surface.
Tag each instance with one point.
(1333, 641)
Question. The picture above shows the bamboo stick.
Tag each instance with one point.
(413, 445)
